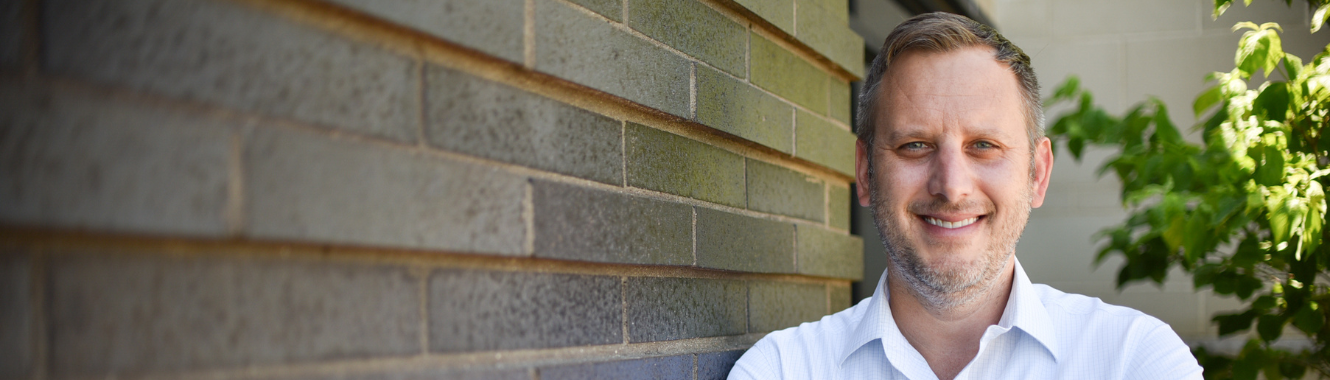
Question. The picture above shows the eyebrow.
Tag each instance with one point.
(982, 132)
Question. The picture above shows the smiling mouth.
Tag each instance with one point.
(950, 225)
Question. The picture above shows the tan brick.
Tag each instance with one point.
(838, 205)
(786, 74)
(693, 28)
(736, 107)
(662, 161)
(822, 142)
(839, 96)
(840, 297)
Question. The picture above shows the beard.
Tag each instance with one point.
(949, 281)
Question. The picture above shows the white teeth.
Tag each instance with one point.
(946, 224)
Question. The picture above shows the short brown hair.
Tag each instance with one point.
(943, 32)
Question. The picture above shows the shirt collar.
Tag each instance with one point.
(1024, 311)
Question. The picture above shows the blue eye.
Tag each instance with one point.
(984, 145)
(914, 145)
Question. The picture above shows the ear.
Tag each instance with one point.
(861, 182)
(1043, 171)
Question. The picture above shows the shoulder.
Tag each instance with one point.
(811, 346)
(1144, 346)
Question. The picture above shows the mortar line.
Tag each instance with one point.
(694, 208)
(623, 152)
(623, 298)
(41, 335)
(529, 219)
(826, 204)
(694, 366)
(234, 212)
(692, 91)
(625, 11)
(422, 286)
(422, 137)
(529, 34)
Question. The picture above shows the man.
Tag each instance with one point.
(951, 157)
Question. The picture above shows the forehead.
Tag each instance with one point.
(964, 90)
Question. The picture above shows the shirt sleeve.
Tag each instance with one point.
(1161, 354)
(762, 362)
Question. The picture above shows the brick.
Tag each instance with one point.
(492, 26)
(588, 51)
(662, 308)
(115, 313)
(85, 160)
(693, 28)
(16, 330)
(235, 56)
(473, 310)
(482, 118)
(575, 223)
(778, 190)
(819, 141)
(11, 32)
(829, 253)
(778, 12)
(678, 367)
(838, 204)
(838, 9)
(840, 298)
(422, 374)
(611, 9)
(716, 365)
(305, 186)
(785, 74)
(742, 243)
(663, 161)
(840, 96)
(738, 108)
(828, 35)
(776, 305)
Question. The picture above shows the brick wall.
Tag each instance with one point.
(354, 189)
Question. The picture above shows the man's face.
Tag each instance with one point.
(952, 185)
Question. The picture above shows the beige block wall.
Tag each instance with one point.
(1124, 52)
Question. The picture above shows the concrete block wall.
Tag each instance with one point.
(348, 189)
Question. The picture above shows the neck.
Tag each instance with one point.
(948, 335)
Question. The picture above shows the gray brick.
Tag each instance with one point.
(716, 365)
(236, 56)
(736, 107)
(776, 305)
(305, 186)
(11, 32)
(490, 26)
(577, 223)
(611, 9)
(840, 9)
(829, 253)
(821, 142)
(472, 310)
(693, 28)
(783, 191)
(487, 119)
(785, 74)
(830, 37)
(669, 367)
(742, 243)
(426, 374)
(116, 313)
(778, 12)
(663, 161)
(86, 160)
(840, 298)
(16, 334)
(593, 53)
(662, 308)
(839, 96)
(839, 203)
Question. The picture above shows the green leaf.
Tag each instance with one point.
(1270, 326)
(1246, 285)
(1207, 99)
(1231, 323)
(1309, 319)
(1319, 18)
(1259, 49)
(1273, 102)
(1220, 7)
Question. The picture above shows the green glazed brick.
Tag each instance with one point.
(736, 242)
(830, 36)
(778, 190)
(693, 28)
(785, 74)
(838, 205)
(778, 12)
(840, 9)
(840, 97)
(611, 9)
(819, 141)
(841, 298)
(776, 305)
(491, 26)
(662, 161)
(578, 223)
(829, 253)
(736, 107)
(591, 52)
(664, 308)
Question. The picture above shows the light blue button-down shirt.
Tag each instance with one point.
(1043, 334)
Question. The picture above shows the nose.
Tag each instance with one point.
(951, 175)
